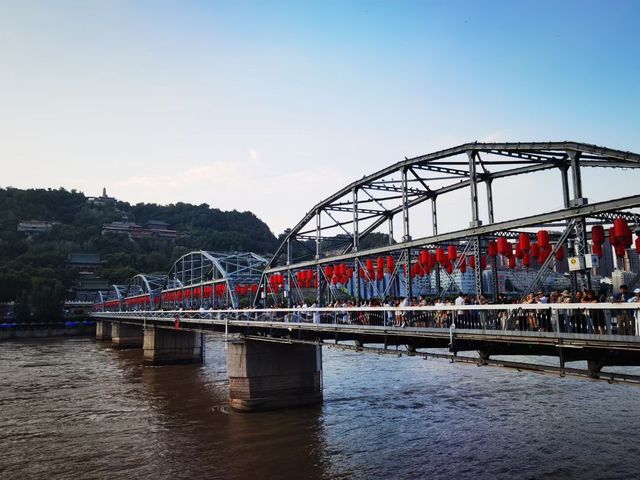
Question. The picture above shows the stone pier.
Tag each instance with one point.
(124, 335)
(269, 376)
(103, 330)
(168, 347)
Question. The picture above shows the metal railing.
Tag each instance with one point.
(578, 318)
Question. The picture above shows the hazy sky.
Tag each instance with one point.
(272, 106)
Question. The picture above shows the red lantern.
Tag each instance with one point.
(543, 238)
(534, 250)
(613, 240)
(627, 239)
(512, 262)
(390, 263)
(596, 248)
(463, 264)
(492, 249)
(361, 272)
(369, 264)
(380, 264)
(328, 271)
(519, 252)
(483, 262)
(472, 261)
(503, 246)
(432, 259)
(449, 268)
(560, 253)
(524, 242)
(620, 227)
(526, 260)
(597, 234)
(620, 251)
(452, 253)
(440, 257)
(423, 257)
(638, 244)
(509, 253)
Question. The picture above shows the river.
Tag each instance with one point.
(76, 409)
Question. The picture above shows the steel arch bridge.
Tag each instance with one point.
(337, 229)
(216, 277)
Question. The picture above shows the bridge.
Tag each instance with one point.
(344, 253)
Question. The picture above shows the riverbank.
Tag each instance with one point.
(10, 331)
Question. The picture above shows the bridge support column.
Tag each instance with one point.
(162, 346)
(124, 335)
(103, 330)
(270, 376)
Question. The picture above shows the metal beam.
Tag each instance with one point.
(530, 221)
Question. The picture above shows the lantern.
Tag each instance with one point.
(328, 271)
(638, 244)
(613, 239)
(519, 251)
(620, 227)
(596, 249)
(440, 257)
(534, 250)
(620, 251)
(503, 246)
(463, 265)
(526, 260)
(423, 257)
(524, 242)
(390, 263)
(560, 254)
(380, 264)
(449, 268)
(492, 249)
(472, 261)
(597, 234)
(452, 253)
(512, 262)
(543, 238)
(483, 262)
(369, 264)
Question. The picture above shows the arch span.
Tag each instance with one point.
(340, 228)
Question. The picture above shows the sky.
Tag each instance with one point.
(272, 106)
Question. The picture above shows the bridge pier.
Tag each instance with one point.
(124, 335)
(163, 346)
(270, 376)
(103, 330)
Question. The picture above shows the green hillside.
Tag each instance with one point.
(32, 265)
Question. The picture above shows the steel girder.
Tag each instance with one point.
(363, 207)
(195, 269)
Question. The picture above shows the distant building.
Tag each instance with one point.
(34, 226)
(620, 277)
(154, 228)
(103, 199)
(88, 282)
(84, 263)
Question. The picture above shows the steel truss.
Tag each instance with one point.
(334, 229)
(202, 268)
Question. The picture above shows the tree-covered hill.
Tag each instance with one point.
(30, 263)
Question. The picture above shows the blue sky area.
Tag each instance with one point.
(271, 106)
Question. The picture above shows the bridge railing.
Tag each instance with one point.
(599, 318)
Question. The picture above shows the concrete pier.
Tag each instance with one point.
(103, 330)
(124, 335)
(169, 347)
(270, 376)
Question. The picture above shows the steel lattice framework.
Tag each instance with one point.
(334, 229)
(201, 268)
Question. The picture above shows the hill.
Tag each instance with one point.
(33, 261)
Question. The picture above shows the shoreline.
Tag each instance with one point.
(47, 330)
